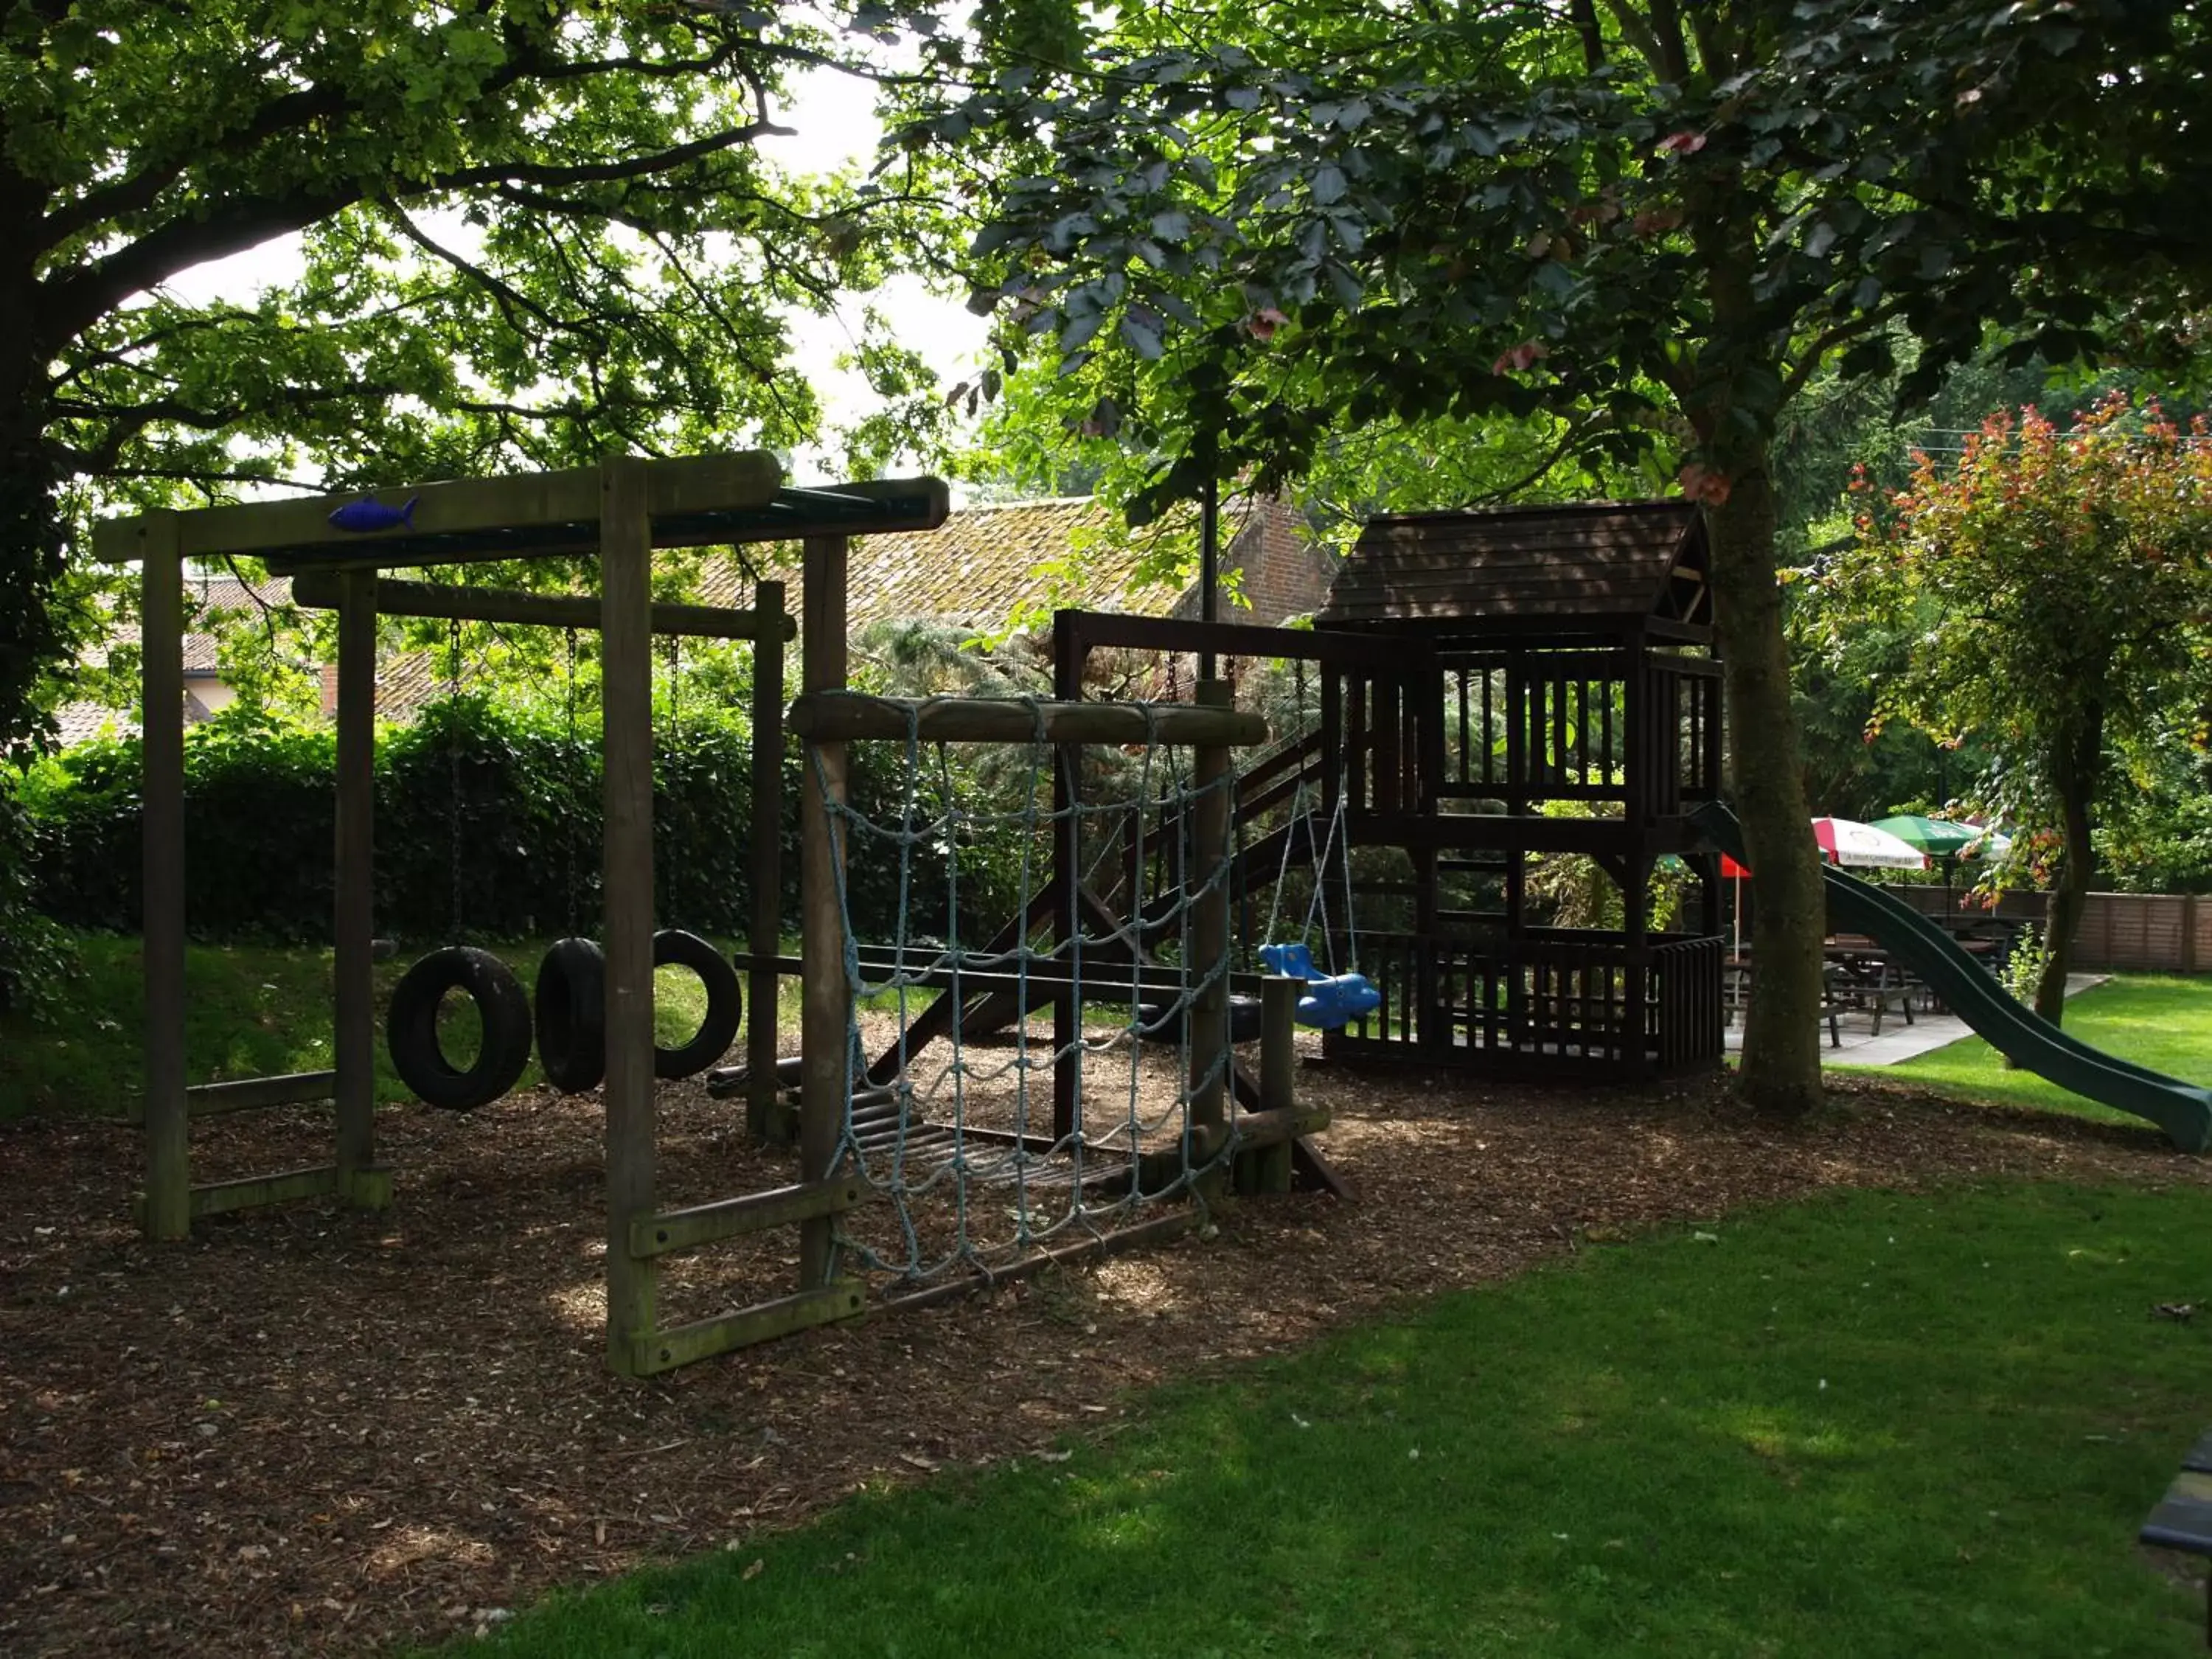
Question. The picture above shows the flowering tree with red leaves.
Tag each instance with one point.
(2059, 582)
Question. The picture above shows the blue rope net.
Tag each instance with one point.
(961, 1143)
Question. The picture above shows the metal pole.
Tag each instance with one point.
(1209, 567)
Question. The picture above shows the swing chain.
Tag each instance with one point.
(569, 816)
(453, 762)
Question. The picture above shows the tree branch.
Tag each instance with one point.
(73, 302)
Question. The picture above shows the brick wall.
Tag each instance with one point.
(1282, 569)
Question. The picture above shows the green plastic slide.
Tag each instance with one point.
(2184, 1111)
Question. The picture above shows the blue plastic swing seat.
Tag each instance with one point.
(1331, 1000)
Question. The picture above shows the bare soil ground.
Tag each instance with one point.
(308, 1431)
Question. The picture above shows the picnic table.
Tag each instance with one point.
(2183, 1519)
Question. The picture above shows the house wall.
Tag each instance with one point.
(1281, 570)
(1284, 570)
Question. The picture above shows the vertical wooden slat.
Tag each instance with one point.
(1582, 731)
(763, 937)
(626, 644)
(1463, 772)
(1555, 771)
(1516, 734)
(1355, 742)
(161, 716)
(821, 945)
(1604, 725)
(1489, 725)
(353, 880)
(1382, 735)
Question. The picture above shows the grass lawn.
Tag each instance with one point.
(251, 1011)
(2162, 1022)
(1869, 1424)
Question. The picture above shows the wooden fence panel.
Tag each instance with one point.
(2122, 933)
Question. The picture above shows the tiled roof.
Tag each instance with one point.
(206, 596)
(80, 722)
(983, 565)
(405, 685)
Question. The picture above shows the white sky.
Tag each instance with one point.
(836, 126)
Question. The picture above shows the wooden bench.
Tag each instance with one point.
(2183, 1519)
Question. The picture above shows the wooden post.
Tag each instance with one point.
(625, 592)
(353, 920)
(162, 721)
(1279, 1058)
(765, 938)
(1067, 875)
(824, 1011)
(1209, 1014)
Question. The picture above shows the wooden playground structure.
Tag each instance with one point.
(1477, 670)
(337, 549)
(1553, 691)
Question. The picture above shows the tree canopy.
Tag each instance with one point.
(529, 231)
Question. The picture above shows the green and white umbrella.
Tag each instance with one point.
(1945, 839)
(1938, 836)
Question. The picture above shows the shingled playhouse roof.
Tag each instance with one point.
(1600, 564)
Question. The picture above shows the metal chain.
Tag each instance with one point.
(569, 816)
(672, 767)
(453, 760)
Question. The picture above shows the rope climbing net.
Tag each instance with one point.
(954, 1125)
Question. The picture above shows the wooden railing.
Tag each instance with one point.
(1571, 997)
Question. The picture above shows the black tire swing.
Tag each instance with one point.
(672, 947)
(571, 990)
(570, 1000)
(410, 1022)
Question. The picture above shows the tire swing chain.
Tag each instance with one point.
(571, 989)
(568, 817)
(673, 946)
(453, 763)
(504, 1012)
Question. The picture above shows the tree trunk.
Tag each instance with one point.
(1782, 1032)
(30, 537)
(2075, 774)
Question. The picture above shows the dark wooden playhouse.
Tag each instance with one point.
(1560, 696)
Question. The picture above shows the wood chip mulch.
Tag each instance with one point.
(308, 1431)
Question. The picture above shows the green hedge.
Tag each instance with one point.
(507, 788)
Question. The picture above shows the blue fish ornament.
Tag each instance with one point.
(370, 513)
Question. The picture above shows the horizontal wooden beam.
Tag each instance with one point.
(1101, 982)
(1168, 1225)
(732, 1218)
(1111, 629)
(254, 1192)
(842, 716)
(1506, 832)
(680, 1345)
(249, 1094)
(318, 589)
(1254, 1129)
(685, 484)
